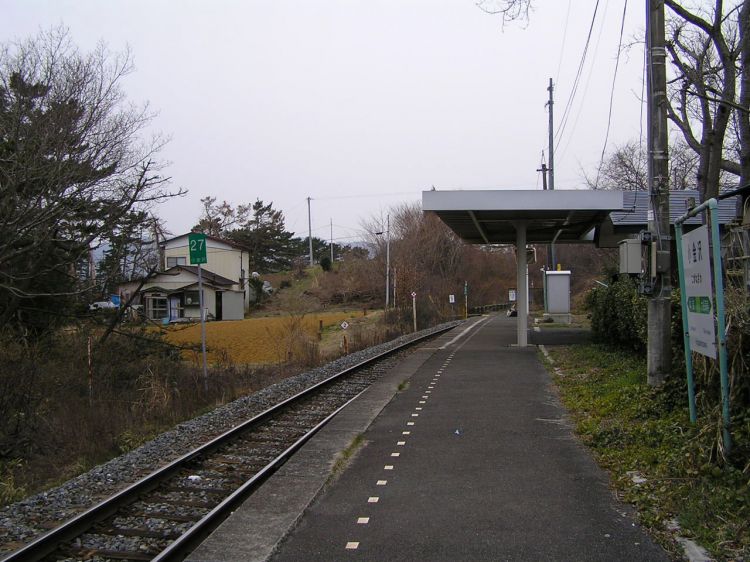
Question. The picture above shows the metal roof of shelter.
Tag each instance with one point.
(633, 217)
(489, 217)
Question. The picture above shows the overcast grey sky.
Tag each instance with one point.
(359, 104)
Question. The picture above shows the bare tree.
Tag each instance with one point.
(706, 46)
(625, 168)
(218, 219)
(509, 10)
(73, 168)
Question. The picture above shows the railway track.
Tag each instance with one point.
(165, 515)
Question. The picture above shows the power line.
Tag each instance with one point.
(562, 47)
(612, 93)
(582, 99)
(364, 195)
(577, 80)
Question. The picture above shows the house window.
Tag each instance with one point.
(156, 308)
(192, 298)
(176, 260)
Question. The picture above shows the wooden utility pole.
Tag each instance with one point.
(659, 305)
(543, 169)
(550, 103)
(551, 169)
(309, 231)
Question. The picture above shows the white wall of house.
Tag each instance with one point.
(233, 305)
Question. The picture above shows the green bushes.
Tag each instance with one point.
(619, 320)
(619, 315)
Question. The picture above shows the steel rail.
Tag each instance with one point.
(49, 542)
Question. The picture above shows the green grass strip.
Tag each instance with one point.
(658, 461)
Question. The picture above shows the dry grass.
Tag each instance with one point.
(261, 340)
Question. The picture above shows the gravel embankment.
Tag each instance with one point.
(23, 521)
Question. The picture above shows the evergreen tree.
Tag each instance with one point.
(72, 171)
(265, 236)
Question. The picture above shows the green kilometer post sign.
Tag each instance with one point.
(197, 247)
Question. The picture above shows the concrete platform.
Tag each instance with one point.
(474, 460)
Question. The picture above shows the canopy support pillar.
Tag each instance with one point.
(522, 297)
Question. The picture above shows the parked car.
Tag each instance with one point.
(101, 305)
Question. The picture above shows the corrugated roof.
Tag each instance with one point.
(635, 208)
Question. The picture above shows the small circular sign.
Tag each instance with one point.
(413, 294)
(345, 324)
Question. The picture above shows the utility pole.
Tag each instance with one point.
(659, 305)
(544, 171)
(551, 170)
(551, 127)
(309, 231)
(388, 263)
(331, 242)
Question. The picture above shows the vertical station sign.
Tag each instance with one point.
(699, 292)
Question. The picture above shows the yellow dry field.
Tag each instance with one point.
(255, 340)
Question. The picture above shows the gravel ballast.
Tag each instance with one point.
(23, 521)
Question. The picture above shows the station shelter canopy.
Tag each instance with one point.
(491, 216)
(522, 217)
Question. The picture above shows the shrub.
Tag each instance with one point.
(619, 319)
(619, 314)
(136, 387)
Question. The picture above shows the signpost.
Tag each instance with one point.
(414, 308)
(698, 292)
(466, 300)
(694, 256)
(198, 255)
(344, 326)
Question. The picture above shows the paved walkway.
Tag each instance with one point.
(473, 461)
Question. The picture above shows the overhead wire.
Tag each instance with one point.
(568, 105)
(562, 47)
(582, 99)
(612, 93)
(364, 195)
(643, 98)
